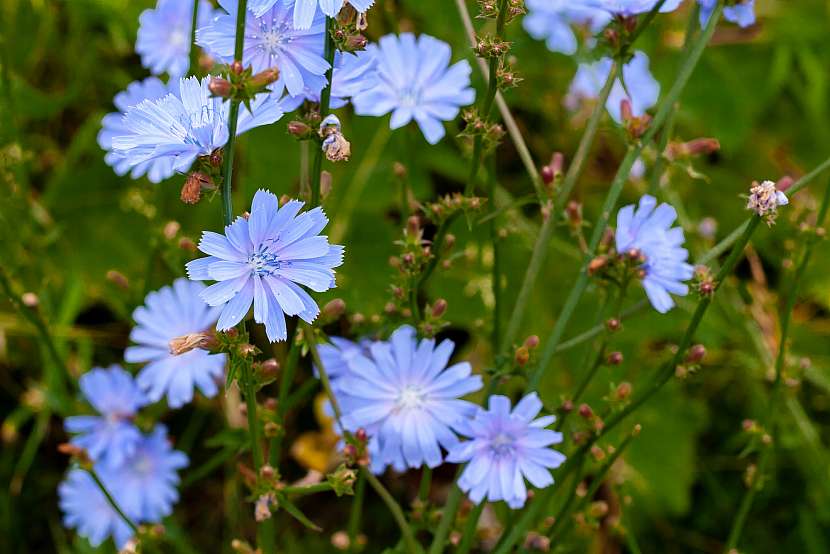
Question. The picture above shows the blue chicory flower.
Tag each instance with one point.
(164, 35)
(272, 40)
(742, 13)
(304, 9)
(170, 313)
(181, 128)
(87, 510)
(506, 448)
(649, 230)
(627, 8)
(263, 260)
(417, 82)
(644, 89)
(109, 437)
(336, 355)
(112, 125)
(552, 20)
(407, 399)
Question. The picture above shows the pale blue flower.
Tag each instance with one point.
(181, 128)
(407, 399)
(87, 510)
(304, 10)
(417, 82)
(644, 89)
(263, 260)
(167, 314)
(109, 437)
(336, 355)
(113, 125)
(649, 230)
(164, 33)
(628, 8)
(742, 13)
(552, 21)
(507, 448)
(271, 40)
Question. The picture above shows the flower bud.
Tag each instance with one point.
(586, 411)
(187, 244)
(118, 279)
(171, 229)
(623, 391)
(784, 183)
(334, 308)
(567, 407)
(547, 174)
(265, 77)
(271, 429)
(413, 225)
(267, 472)
(270, 367)
(220, 87)
(614, 358)
(360, 435)
(356, 42)
(31, 300)
(597, 453)
(439, 308)
(191, 341)
(325, 184)
(522, 356)
(574, 213)
(696, 354)
(532, 342)
(298, 129)
(237, 68)
(613, 325)
(596, 264)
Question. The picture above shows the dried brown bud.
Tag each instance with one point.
(118, 279)
(194, 184)
(192, 341)
(596, 264)
(598, 509)
(597, 453)
(574, 213)
(356, 42)
(270, 367)
(449, 241)
(413, 225)
(337, 148)
(522, 355)
(399, 170)
(185, 243)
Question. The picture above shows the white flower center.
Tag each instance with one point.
(410, 97)
(273, 38)
(143, 465)
(177, 38)
(263, 262)
(502, 444)
(410, 398)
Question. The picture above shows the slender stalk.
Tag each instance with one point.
(426, 483)
(497, 270)
(660, 163)
(448, 513)
(194, 50)
(233, 118)
(565, 509)
(772, 411)
(111, 500)
(324, 376)
(249, 390)
(614, 192)
(356, 512)
(437, 246)
(286, 378)
(540, 248)
(325, 98)
(470, 529)
(412, 545)
(308, 489)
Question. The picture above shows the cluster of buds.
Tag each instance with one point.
(678, 151)
(240, 84)
(764, 199)
(304, 127)
(523, 354)
(335, 145)
(342, 480)
(477, 126)
(537, 542)
(269, 415)
(206, 176)
(552, 173)
(451, 205)
(619, 36)
(506, 77)
(618, 267)
(635, 126)
(489, 9)
(491, 47)
(433, 320)
(348, 29)
(593, 420)
(703, 281)
(356, 451)
(691, 363)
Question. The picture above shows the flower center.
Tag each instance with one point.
(263, 262)
(502, 444)
(410, 97)
(143, 465)
(177, 38)
(273, 38)
(410, 398)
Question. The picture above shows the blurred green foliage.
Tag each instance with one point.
(66, 220)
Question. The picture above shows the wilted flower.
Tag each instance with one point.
(168, 314)
(551, 21)
(304, 10)
(648, 230)
(507, 448)
(643, 87)
(415, 81)
(263, 260)
(112, 125)
(110, 437)
(741, 12)
(764, 200)
(163, 40)
(178, 129)
(407, 399)
(272, 40)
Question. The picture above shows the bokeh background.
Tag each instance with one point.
(67, 222)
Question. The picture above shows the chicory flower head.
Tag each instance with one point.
(507, 447)
(112, 125)
(644, 89)
(304, 10)
(109, 437)
(628, 8)
(407, 399)
(649, 230)
(263, 260)
(177, 129)
(552, 20)
(87, 510)
(336, 355)
(742, 13)
(164, 35)
(272, 40)
(415, 81)
(170, 313)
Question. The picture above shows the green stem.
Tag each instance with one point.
(233, 118)
(470, 529)
(634, 151)
(437, 247)
(426, 483)
(448, 513)
(496, 273)
(325, 99)
(307, 490)
(540, 248)
(412, 545)
(249, 390)
(111, 500)
(286, 378)
(356, 512)
(194, 51)
(772, 411)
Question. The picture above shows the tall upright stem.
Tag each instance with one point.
(194, 51)
(325, 100)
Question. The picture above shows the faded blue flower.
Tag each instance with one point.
(644, 89)
(109, 437)
(178, 129)
(113, 125)
(507, 448)
(649, 230)
(742, 13)
(271, 40)
(263, 261)
(304, 10)
(552, 21)
(417, 82)
(87, 510)
(171, 313)
(163, 40)
(407, 399)
(632, 7)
